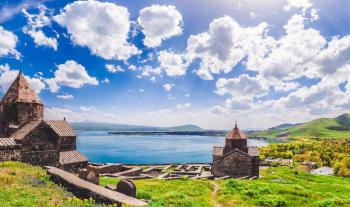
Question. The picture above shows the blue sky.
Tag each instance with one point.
(176, 62)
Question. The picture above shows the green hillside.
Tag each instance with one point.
(338, 127)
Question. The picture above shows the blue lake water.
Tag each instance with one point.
(101, 147)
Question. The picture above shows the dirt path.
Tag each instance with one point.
(214, 194)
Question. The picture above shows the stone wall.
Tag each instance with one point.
(67, 144)
(18, 114)
(74, 167)
(10, 154)
(236, 164)
(40, 147)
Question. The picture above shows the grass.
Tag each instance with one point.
(283, 186)
(28, 186)
(23, 185)
(279, 186)
(172, 193)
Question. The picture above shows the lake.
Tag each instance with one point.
(101, 147)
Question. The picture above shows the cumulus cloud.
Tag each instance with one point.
(298, 4)
(8, 42)
(70, 74)
(173, 64)
(114, 68)
(8, 75)
(224, 45)
(159, 22)
(168, 86)
(242, 86)
(103, 27)
(34, 27)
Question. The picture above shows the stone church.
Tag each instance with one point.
(235, 159)
(25, 136)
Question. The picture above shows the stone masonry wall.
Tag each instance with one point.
(40, 147)
(235, 165)
(67, 144)
(10, 154)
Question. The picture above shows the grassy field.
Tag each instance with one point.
(338, 127)
(280, 186)
(25, 185)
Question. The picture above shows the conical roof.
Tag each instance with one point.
(235, 133)
(21, 91)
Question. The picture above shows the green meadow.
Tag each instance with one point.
(27, 186)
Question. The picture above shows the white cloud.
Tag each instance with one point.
(184, 106)
(173, 64)
(224, 45)
(8, 42)
(298, 4)
(72, 115)
(148, 70)
(34, 28)
(253, 15)
(88, 108)
(168, 86)
(106, 80)
(65, 96)
(132, 67)
(114, 68)
(242, 86)
(103, 27)
(159, 22)
(70, 74)
(287, 59)
(7, 76)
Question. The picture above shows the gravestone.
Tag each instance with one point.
(126, 187)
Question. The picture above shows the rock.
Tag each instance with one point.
(126, 187)
(92, 175)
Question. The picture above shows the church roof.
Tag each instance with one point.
(25, 130)
(21, 91)
(70, 157)
(235, 133)
(7, 142)
(61, 128)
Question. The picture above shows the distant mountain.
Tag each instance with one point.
(338, 127)
(135, 128)
(284, 126)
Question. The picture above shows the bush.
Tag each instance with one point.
(271, 201)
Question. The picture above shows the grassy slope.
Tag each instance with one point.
(29, 186)
(314, 129)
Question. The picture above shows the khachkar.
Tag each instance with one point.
(235, 159)
(27, 137)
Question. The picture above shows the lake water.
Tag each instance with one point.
(101, 147)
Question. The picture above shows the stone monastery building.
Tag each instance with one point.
(25, 136)
(236, 159)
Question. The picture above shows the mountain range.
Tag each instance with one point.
(134, 128)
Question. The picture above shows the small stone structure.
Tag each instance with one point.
(236, 159)
(29, 137)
